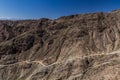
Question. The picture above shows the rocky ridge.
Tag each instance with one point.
(75, 47)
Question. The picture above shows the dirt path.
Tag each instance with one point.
(40, 62)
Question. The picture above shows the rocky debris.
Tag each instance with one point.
(75, 47)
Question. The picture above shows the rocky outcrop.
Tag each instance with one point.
(76, 47)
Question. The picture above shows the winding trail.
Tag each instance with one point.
(41, 63)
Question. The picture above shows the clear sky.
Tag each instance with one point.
(35, 9)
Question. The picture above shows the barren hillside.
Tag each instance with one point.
(76, 47)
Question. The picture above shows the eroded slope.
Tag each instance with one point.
(76, 47)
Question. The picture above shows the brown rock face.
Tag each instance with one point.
(76, 47)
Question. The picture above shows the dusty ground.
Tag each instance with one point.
(76, 47)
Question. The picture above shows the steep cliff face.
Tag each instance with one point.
(76, 47)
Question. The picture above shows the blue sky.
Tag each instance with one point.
(35, 9)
